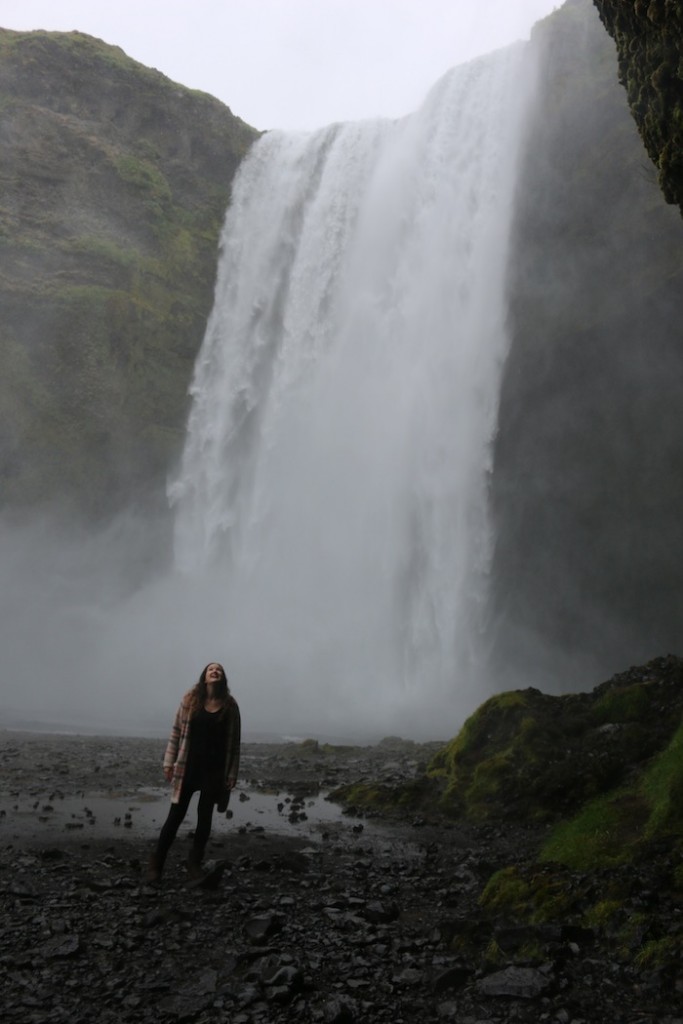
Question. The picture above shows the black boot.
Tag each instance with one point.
(155, 866)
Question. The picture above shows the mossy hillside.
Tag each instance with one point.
(614, 870)
(599, 906)
(488, 743)
(597, 869)
(500, 741)
(612, 828)
(535, 896)
(532, 758)
(115, 183)
(595, 780)
(535, 757)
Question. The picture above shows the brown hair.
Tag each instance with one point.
(199, 690)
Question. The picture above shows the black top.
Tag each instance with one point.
(207, 743)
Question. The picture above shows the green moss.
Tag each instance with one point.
(74, 45)
(602, 913)
(599, 835)
(662, 787)
(490, 769)
(532, 952)
(486, 779)
(611, 829)
(659, 953)
(361, 794)
(102, 249)
(82, 295)
(493, 955)
(535, 897)
(109, 304)
(389, 800)
(506, 891)
(147, 179)
(473, 734)
(623, 704)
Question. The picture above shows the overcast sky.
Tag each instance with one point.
(295, 63)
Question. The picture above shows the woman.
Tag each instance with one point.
(202, 754)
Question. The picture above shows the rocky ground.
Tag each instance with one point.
(305, 913)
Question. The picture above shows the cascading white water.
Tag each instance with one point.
(332, 498)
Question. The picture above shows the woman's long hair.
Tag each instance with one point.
(199, 691)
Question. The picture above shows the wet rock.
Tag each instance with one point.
(258, 929)
(453, 977)
(211, 878)
(282, 982)
(408, 976)
(60, 946)
(515, 982)
(341, 1010)
(192, 998)
(379, 912)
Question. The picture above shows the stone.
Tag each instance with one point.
(514, 982)
(259, 928)
(341, 1010)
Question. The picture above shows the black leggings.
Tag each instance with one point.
(207, 797)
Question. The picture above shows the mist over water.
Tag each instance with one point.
(332, 535)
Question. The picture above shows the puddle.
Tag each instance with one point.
(41, 815)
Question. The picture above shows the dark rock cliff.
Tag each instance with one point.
(113, 186)
(649, 39)
(586, 485)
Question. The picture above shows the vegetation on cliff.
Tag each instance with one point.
(596, 779)
(113, 187)
(649, 39)
(605, 767)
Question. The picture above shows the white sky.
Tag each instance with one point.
(295, 63)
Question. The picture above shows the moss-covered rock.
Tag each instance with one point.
(584, 793)
(529, 756)
(113, 187)
(612, 828)
(612, 756)
(599, 871)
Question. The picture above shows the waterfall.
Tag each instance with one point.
(332, 496)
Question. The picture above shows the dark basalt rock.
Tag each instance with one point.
(649, 39)
(587, 568)
(515, 982)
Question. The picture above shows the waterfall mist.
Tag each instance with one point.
(332, 535)
(333, 485)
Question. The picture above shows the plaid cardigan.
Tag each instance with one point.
(178, 746)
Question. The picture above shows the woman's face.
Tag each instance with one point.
(214, 673)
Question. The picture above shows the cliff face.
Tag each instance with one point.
(587, 485)
(649, 39)
(113, 186)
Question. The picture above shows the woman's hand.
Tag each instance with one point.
(168, 774)
(231, 783)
